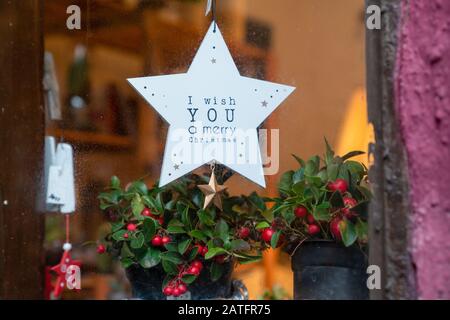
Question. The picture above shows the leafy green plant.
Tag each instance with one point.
(168, 227)
(323, 199)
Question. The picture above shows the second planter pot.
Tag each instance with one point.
(325, 270)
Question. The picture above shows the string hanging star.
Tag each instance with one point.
(212, 102)
(213, 192)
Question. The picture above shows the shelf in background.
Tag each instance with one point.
(79, 137)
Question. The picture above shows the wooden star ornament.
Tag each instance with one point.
(212, 192)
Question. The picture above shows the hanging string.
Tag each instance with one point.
(213, 9)
(67, 228)
(211, 6)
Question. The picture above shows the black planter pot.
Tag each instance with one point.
(146, 284)
(325, 270)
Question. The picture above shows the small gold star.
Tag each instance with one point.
(212, 192)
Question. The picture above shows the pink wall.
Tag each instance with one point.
(423, 106)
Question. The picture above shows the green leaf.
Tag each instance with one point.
(275, 238)
(205, 218)
(361, 229)
(115, 182)
(159, 204)
(352, 154)
(239, 245)
(216, 271)
(149, 229)
(314, 180)
(137, 206)
(198, 235)
(151, 258)
(288, 214)
(298, 176)
(329, 155)
(184, 245)
(175, 226)
(117, 226)
(284, 186)
(262, 225)
(125, 251)
(332, 171)
(193, 253)
(126, 262)
(175, 229)
(299, 187)
(348, 232)
(169, 267)
(300, 161)
(214, 252)
(171, 256)
(138, 242)
(257, 201)
(188, 278)
(312, 166)
(246, 259)
(321, 212)
(139, 187)
(118, 235)
(222, 230)
(185, 219)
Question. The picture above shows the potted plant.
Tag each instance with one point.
(170, 245)
(321, 213)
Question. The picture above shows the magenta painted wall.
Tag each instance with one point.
(423, 108)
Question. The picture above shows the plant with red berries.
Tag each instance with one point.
(323, 199)
(168, 228)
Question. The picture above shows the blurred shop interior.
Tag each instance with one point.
(317, 46)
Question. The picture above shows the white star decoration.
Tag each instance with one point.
(213, 112)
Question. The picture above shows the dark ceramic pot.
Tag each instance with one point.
(147, 283)
(325, 270)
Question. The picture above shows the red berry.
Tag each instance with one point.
(182, 288)
(350, 202)
(334, 227)
(267, 234)
(168, 291)
(300, 212)
(244, 232)
(198, 264)
(176, 292)
(165, 240)
(101, 249)
(131, 227)
(146, 212)
(161, 220)
(341, 185)
(193, 270)
(220, 259)
(125, 235)
(156, 241)
(310, 218)
(313, 229)
(204, 251)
